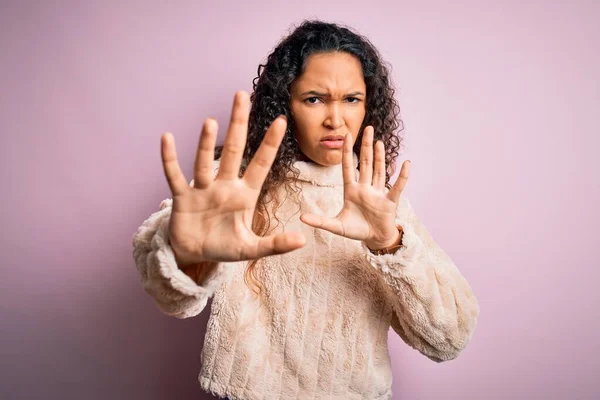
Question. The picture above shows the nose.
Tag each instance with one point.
(335, 119)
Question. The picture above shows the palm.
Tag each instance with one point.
(360, 212)
(368, 212)
(211, 220)
(222, 210)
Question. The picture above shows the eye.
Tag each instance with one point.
(310, 100)
(357, 100)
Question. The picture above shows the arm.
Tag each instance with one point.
(435, 310)
(174, 292)
(174, 289)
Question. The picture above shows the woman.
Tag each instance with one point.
(310, 254)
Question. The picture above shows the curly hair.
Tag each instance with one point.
(271, 97)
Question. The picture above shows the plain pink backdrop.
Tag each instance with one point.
(500, 103)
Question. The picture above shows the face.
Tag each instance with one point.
(328, 102)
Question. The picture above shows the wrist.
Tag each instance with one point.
(181, 262)
(390, 246)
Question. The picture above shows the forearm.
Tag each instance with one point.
(433, 302)
(176, 290)
(435, 307)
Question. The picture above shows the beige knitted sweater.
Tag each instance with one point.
(321, 332)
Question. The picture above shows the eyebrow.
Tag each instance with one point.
(314, 92)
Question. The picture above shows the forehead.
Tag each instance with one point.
(332, 71)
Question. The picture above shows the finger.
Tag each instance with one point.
(332, 225)
(379, 169)
(259, 167)
(348, 161)
(366, 156)
(235, 142)
(396, 190)
(175, 178)
(203, 166)
(278, 244)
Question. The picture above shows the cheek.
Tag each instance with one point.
(307, 124)
(359, 115)
(355, 120)
(300, 116)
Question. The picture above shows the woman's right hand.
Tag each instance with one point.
(212, 220)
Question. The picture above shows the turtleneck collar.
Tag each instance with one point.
(323, 176)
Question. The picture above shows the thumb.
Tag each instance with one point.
(332, 225)
(279, 244)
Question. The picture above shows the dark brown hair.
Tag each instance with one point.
(271, 97)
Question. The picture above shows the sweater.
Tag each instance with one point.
(321, 329)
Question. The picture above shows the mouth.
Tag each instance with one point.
(333, 138)
(333, 141)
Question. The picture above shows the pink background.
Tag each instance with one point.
(500, 103)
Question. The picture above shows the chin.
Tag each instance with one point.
(329, 160)
(323, 157)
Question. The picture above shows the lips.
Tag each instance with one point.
(333, 138)
(333, 142)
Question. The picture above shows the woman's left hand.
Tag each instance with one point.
(368, 213)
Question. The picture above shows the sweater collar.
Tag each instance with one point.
(323, 176)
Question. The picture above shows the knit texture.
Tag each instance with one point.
(321, 330)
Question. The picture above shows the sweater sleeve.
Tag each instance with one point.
(174, 293)
(435, 310)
